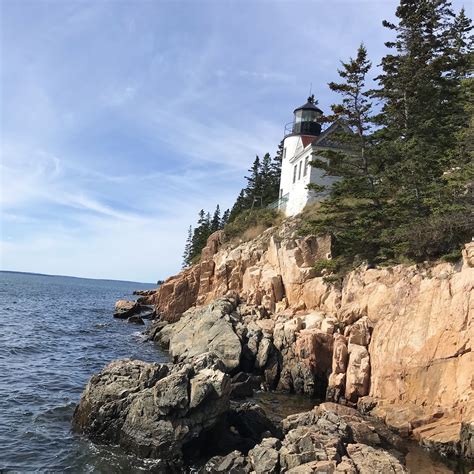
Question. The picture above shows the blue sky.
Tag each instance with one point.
(120, 120)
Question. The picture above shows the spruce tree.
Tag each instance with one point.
(279, 154)
(216, 220)
(200, 235)
(414, 92)
(269, 192)
(254, 188)
(188, 248)
(352, 214)
(239, 206)
(422, 118)
(224, 219)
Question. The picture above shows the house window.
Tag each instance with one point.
(284, 153)
(281, 193)
(295, 170)
(305, 172)
(299, 171)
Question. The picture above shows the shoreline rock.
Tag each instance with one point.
(154, 410)
(125, 309)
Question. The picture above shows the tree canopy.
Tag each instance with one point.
(406, 172)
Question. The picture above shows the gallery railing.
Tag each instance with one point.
(280, 204)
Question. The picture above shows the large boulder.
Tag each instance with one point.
(207, 328)
(154, 410)
(124, 309)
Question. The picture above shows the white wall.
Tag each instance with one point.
(298, 194)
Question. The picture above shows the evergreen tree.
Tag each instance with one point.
(414, 89)
(188, 248)
(279, 155)
(353, 161)
(200, 235)
(224, 219)
(352, 214)
(266, 176)
(239, 206)
(423, 115)
(216, 220)
(254, 188)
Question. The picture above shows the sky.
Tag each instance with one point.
(120, 120)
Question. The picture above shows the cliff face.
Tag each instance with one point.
(271, 270)
(402, 335)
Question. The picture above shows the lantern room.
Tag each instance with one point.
(307, 119)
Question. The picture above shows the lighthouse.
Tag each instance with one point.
(302, 141)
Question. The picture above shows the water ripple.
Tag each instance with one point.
(55, 332)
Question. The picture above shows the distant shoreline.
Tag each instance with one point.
(76, 277)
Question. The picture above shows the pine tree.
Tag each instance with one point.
(353, 161)
(267, 180)
(413, 92)
(200, 235)
(224, 219)
(422, 118)
(279, 154)
(239, 206)
(254, 188)
(352, 214)
(188, 248)
(216, 220)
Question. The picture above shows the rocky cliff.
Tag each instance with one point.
(397, 341)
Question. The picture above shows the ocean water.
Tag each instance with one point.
(55, 332)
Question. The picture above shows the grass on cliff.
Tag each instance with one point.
(250, 223)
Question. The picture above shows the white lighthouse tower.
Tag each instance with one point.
(303, 139)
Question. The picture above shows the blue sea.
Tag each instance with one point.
(55, 332)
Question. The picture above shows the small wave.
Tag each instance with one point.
(140, 336)
(59, 413)
(101, 325)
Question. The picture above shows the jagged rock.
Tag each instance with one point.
(124, 309)
(136, 320)
(252, 423)
(369, 460)
(337, 379)
(207, 329)
(154, 329)
(233, 463)
(467, 438)
(154, 410)
(366, 404)
(409, 328)
(358, 373)
(265, 458)
(242, 427)
(146, 311)
(265, 349)
(359, 332)
(145, 292)
(243, 385)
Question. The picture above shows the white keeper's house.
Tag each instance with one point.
(303, 140)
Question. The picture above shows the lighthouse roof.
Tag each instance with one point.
(309, 105)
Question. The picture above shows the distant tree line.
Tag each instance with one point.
(262, 189)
